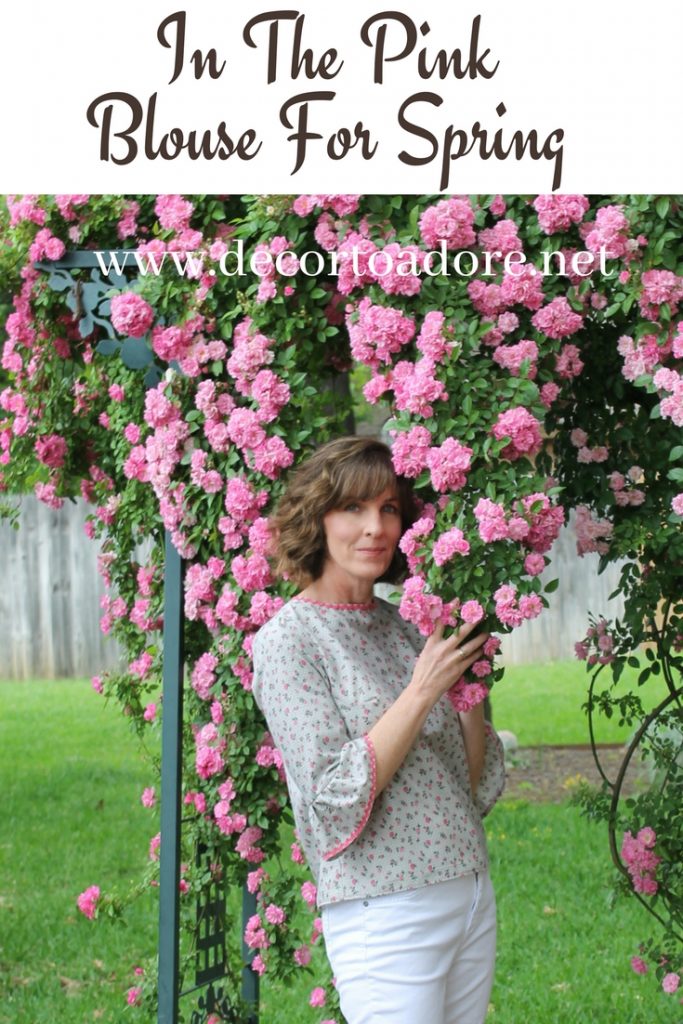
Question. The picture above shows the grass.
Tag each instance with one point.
(72, 776)
(542, 703)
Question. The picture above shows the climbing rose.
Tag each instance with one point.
(670, 982)
(317, 997)
(524, 432)
(450, 220)
(87, 901)
(51, 450)
(131, 315)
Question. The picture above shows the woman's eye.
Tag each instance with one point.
(392, 508)
(351, 507)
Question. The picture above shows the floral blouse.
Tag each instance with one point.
(323, 675)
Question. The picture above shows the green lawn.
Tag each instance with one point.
(72, 776)
(542, 703)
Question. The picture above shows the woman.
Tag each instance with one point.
(387, 782)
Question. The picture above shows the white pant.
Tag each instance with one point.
(423, 956)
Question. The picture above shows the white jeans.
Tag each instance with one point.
(423, 956)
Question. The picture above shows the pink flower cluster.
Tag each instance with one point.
(172, 342)
(88, 900)
(592, 534)
(641, 861)
(638, 965)
(210, 746)
(451, 542)
(424, 609)
(131, 315)
(255, 934)
(46, 245)
(511, 357)
(450, 220)
(624, 492)
(559, 212)
(174, 212)
(51, 450)
(412, 540)
(410, 449)
(641, 357)
(568, 362)
(609, 231)
(557, 319)
(435, 339)
(501, 239)
(415, 386)
(27, 208)
(265, 256)
(203, 676)
(537, 527)
(523, 430)
(670, 983)
(579, 439)
(659, 287)
(513, 611)
(524, 287)
(464, 696)
(449, 464)
(200, 590)
(396, 269)
(247, 846)
(251, 350)
(598, 646)
(487, 299)
(378, 332)
(339, 204)
(671, 406)
(228, 823)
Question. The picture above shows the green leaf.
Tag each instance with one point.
(662, 206)
(551, 586)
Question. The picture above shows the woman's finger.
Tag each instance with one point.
(473, 645)
(437, 633)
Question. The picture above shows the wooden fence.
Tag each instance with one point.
(50, 600)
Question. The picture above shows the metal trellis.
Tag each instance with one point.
(88, 300)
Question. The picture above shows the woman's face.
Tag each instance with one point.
(362, 535)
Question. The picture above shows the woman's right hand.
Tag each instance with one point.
(443, 661)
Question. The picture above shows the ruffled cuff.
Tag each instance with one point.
(341, 810)
(492, 781)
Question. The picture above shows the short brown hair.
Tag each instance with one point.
(348, 467)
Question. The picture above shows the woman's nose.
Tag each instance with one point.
(373, 522)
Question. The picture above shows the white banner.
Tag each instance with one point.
(341, 97)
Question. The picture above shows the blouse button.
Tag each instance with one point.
(366, 903)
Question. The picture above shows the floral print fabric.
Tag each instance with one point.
(323, 675)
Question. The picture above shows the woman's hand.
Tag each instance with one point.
(440, 664)
(443, 661)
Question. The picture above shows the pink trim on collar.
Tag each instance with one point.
(368, 807)
(359, 606)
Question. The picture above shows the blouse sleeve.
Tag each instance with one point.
(492, 781)
(334, 772)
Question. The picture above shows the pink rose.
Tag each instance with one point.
(87, 901)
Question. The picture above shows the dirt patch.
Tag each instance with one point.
(551, 774)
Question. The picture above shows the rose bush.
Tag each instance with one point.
(515, 395)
